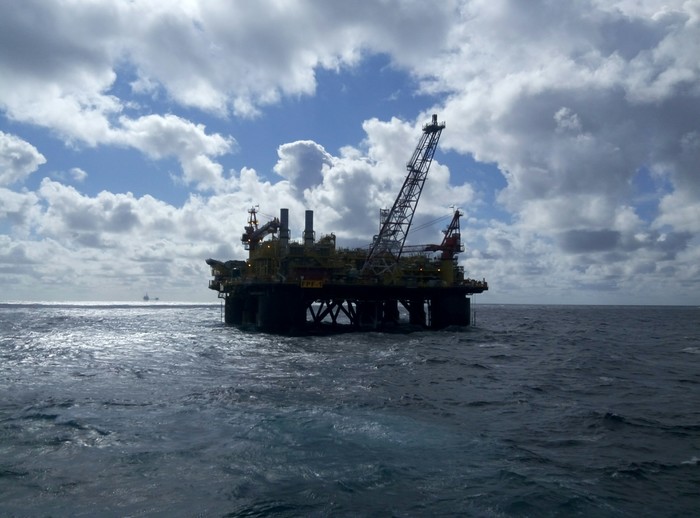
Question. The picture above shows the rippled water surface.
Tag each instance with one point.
(109, 410)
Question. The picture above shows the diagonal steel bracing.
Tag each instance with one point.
(386, 248)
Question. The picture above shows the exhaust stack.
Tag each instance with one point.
(284, 228)
(309, 234)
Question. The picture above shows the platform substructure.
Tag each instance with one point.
(291, 309)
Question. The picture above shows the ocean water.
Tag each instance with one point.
(161, 410)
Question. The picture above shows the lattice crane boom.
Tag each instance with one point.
(386, 248)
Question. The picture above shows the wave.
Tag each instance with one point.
(648, 469)
(614, 421)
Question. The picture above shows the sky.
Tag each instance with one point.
(135, 135)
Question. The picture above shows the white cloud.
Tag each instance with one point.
(142, 239)
(567, 121)
(213, 55)
(163, 136)
(302, 163)
(18, 159)
(570, 109)
(19, 209)
(71, 216)
(680, 210)
(112, 245)
(570, 101)
(361, 181)
(78, 174)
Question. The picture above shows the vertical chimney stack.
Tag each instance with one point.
(309, 229)
(284, 228)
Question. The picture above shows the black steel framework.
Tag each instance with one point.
(386, 248)
(290, 309)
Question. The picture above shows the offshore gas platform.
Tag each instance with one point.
(292, 287)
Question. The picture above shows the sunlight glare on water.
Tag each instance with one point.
(161, 409)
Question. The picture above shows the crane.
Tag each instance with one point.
(253, 235)
(387, 246)
(451, 243)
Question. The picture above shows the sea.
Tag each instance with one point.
(156, 409)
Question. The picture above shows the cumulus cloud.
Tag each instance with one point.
(77, 174)
(362, 180)
(302, 163)
(18, 159)
(109, 245)
(209, 54)
(18, 208)
(163, 136)
(215, 56)
(571, 103)
(571, 112)
(141, 237)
